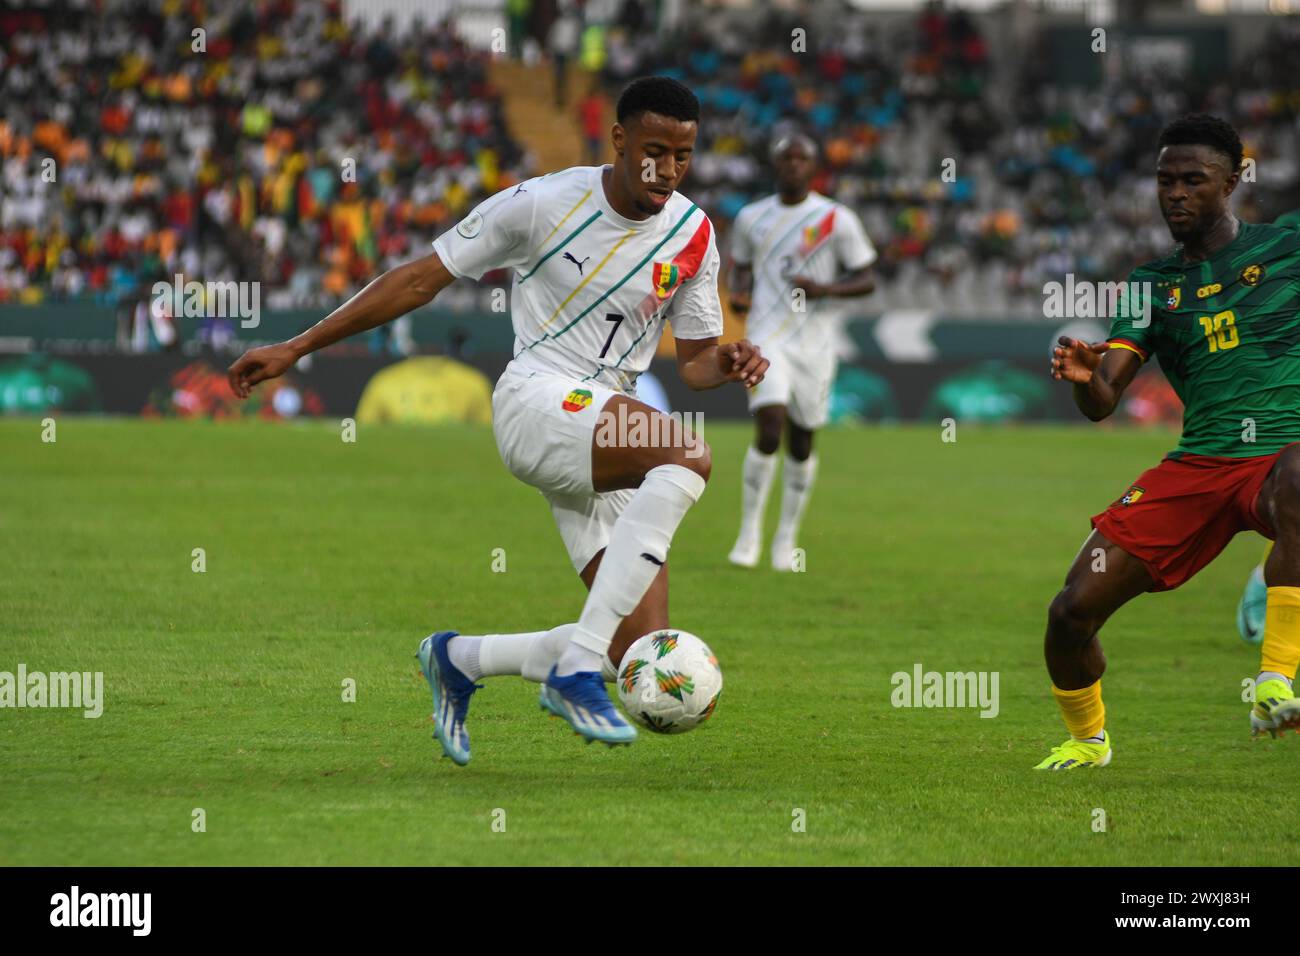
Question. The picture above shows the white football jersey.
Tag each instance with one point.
(819, 239)
(591, 289)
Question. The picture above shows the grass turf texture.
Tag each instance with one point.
(328, 561)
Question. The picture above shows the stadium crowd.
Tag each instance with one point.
(229, 161)
(270, 142)
(1046, 179)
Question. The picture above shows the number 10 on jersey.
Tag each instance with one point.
(1220, 330)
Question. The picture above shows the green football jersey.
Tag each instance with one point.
(1226, 332)
(1289, 219)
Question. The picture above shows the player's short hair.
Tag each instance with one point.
(658, 94)
(782, 143)
(1202, 129)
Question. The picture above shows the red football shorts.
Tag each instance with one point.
(1179, 515)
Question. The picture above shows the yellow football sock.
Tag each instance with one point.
(1281, 650)
(1082, 710)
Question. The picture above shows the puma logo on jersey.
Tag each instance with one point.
(518, 189)
(569, 256)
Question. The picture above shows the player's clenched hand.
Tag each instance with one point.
(742, 362)
(257, 365)
(1073, 360)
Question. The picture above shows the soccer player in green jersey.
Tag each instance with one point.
(1220, 315)
(1254, 599)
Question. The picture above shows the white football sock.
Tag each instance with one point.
(463, 650)
(798, 480)
(759, 470)
(506, 653)
(638, 547)
(1271, 675)
(543, 654)
(528, 655)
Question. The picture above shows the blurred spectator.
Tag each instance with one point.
(562, 44)
(591, 115)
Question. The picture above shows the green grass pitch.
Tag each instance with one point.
(328, 561)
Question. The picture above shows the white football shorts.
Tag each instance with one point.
(544, 425)
(800, 381)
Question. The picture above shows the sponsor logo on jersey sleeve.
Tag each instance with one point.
(469, 226)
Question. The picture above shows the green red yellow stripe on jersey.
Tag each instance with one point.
(1142, 353)
(688, 260)
(816, 234)
(667, 276)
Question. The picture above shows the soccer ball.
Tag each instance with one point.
(669, 682)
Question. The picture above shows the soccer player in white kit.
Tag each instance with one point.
(601, 258)
(791, 252)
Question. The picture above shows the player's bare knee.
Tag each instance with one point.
(771, 422)
(1285, 481)
(1069, 618)
(768, 439)
(697, 456)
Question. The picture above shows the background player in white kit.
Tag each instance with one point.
(602, 257)
(795, 240)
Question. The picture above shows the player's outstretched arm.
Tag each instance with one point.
(1098, 372)
(393, 294)
(703, 363)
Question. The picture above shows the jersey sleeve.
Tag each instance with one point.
(696, 312)
(852, 247)
(742, 244)
(1130, 325)
(496, 235)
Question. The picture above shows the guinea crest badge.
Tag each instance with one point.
(665, 277)
(1132, 495)
(576, 400)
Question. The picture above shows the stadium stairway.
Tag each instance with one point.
(552, 135)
